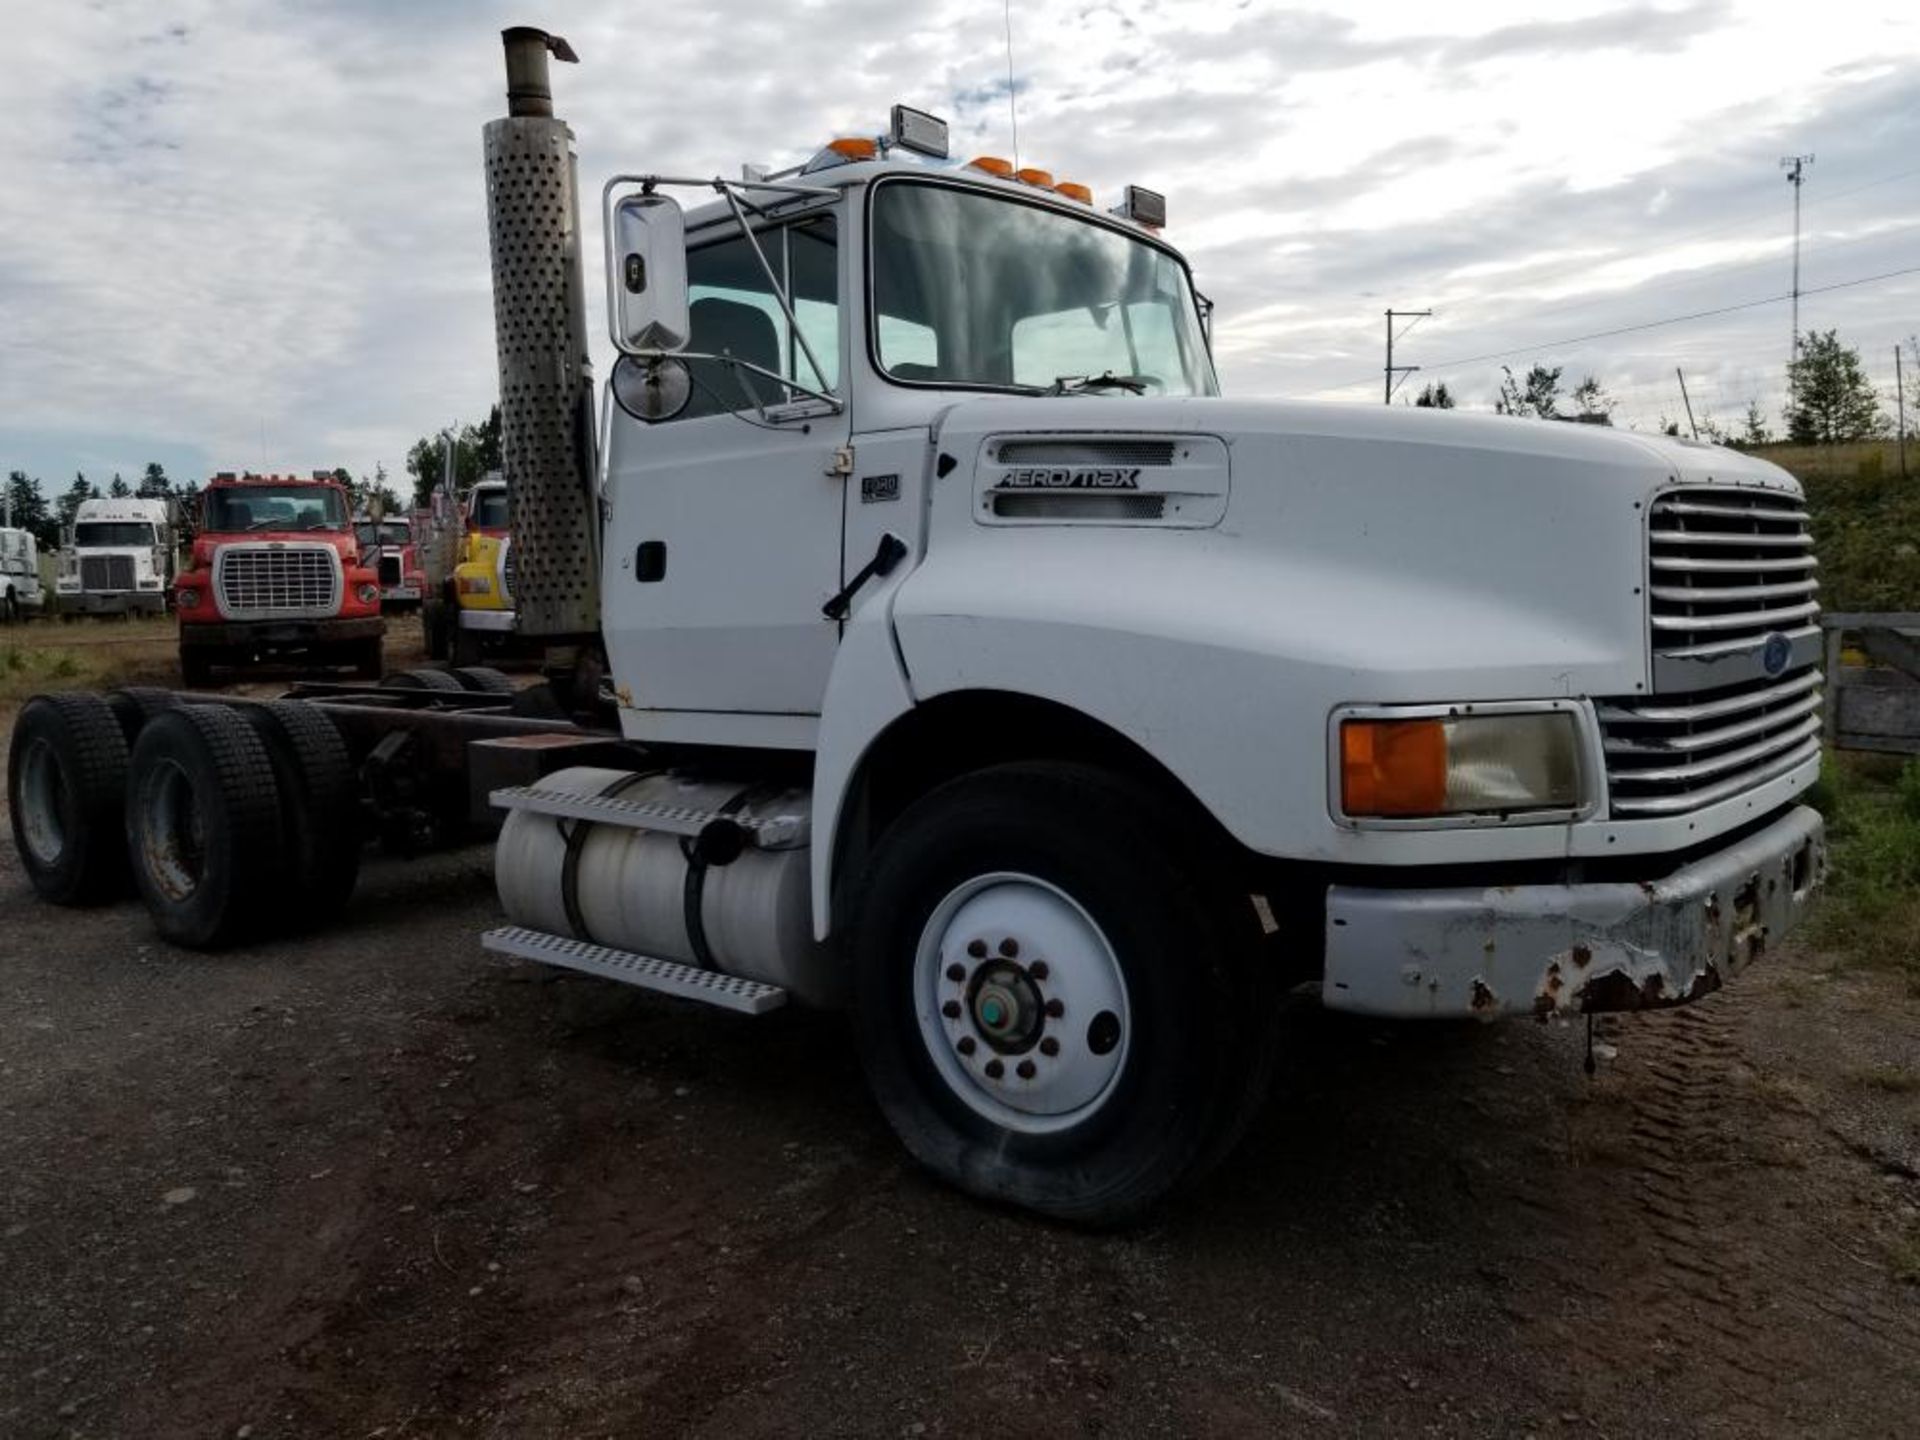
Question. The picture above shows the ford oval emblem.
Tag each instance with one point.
(1777, 654)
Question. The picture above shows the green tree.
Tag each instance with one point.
(71, 500)
(476, 452)
(1753, 430)
(1830, 399)
(1592, 404)
(28, 508)
(119, 489)
(154, 484)
(1431, 397)
(1538, 397)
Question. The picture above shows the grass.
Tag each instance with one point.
(1871, 918)
(91, 655)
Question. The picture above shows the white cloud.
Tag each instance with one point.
(255, 232)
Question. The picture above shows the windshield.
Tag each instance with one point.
(124, 534)
(975, 289)
(487, 509)
(236, 509)
(388, 532)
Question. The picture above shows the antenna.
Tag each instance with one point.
(1013, 108)
(1795, 166)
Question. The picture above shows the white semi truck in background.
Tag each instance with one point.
(119, 558)
(928, 636)
(21, 593)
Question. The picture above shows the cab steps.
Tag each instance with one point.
(668, 977)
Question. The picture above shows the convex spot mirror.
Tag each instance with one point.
(651, 388)
(647, 275)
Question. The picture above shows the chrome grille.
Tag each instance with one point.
(106, 572)
(509, 571)
(277, 583)
(1727, 569)
(389, 569)
(1676, 753)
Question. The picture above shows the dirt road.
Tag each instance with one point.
(376, 1184)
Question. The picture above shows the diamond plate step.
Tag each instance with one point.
(774, 834)
(688, 982)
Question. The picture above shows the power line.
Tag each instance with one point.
(1669, 320)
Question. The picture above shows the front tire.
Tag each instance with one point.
(1056, 1003)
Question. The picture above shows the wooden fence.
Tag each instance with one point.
(1876, 705)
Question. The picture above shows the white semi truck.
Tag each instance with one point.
(21, 594)
(119, 558)
(942, 644)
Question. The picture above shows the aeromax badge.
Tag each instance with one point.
(1076, 477)
(1778, 652)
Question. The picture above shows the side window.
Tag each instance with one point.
(735, 313)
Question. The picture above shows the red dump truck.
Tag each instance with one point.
(277, 573)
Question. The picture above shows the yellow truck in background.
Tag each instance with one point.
(470, 615)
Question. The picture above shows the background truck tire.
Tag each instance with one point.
(423, 678)
(1186, 1042)
(204, 828)
(134, 705)
(466, 648)
(484, 680)
(320, 798)
(66, 792)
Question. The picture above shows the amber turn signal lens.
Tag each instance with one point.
(854, 148)
(993, 165)
(1393, 767)
(1075, 192)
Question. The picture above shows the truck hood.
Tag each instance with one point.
(205, 543)
(1424, 554)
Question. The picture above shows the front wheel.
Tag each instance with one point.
(1055, 1006)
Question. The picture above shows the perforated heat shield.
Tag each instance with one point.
(546, 381)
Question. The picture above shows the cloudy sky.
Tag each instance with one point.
(251, 233)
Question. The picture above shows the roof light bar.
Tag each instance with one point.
(1143, 207)
(918, 131)
(992, 165)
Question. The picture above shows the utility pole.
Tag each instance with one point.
(1393, 369)
(1795, 166)
(1900, 404)
(1686, 402)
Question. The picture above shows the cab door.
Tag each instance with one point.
(724, 539)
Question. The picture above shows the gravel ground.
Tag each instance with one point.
(374, 1183)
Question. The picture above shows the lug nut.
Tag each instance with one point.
(995, 1069)
(951, 1009)
(1055, 1009)
(1024, 1069)
(1009, 947)
(965, 1045)
(1049, 1046)
(977, 949)
(1038, 970)
(956, 973)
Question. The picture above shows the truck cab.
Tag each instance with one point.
(388, 547)
(119, 558)
(482, 580)
(20, 592)
(276, 573)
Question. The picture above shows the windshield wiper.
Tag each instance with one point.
(1080, 384)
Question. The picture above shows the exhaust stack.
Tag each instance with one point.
(540, 333)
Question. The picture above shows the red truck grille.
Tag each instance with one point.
(277, 582)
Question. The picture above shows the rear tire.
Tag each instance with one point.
(1161, 1029)
(204, 828)
(134, 705)
(483, 680)
(314, 776)
(66, 790)
(423, 678)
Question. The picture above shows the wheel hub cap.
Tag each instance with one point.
(1022, 1003)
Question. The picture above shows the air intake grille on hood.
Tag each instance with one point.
(1086, 452)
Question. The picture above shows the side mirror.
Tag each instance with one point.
(647, 275)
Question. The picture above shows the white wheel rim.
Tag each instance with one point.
(42, 794)
(1021, 1002)
(173, 837)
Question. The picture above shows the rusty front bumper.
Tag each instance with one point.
(1549, 950)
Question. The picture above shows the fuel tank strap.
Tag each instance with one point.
(693, 891)
(577, 842)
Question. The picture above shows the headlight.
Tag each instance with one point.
(368, 594)
(475, 585)
(1443, 765)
